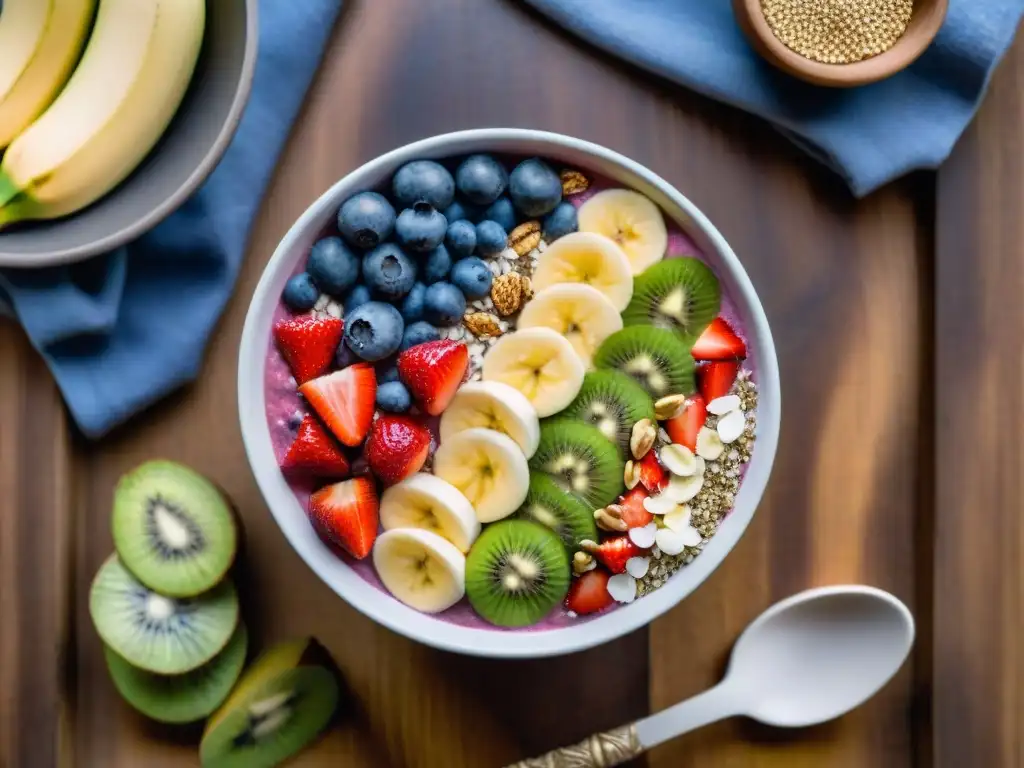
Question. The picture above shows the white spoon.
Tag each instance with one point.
(807, 659)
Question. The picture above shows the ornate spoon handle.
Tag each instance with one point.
(602, 750)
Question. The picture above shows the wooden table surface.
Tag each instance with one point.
(899, 325)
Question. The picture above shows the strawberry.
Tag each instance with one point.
(683, 428)
(614, 552)
(345, 400)
(397, 447)
(633, 512)
(589, 593)
(308, 344)
(653, 477)
(315, 451)
(715, 379)
(719, 342)
(346, 514)
(433, 372)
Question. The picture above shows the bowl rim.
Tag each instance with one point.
(187, 187)
(367, 598)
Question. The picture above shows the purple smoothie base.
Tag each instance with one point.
(283, 402)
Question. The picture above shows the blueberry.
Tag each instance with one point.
(436, 265)
(461, 238)
(423, 181)
(300, 294)
(535, 187)
(444, 304)
(355, 298)
(388, 271)
(412, 305)
(366, 219)
(503, 212)
(393, 397)
(332, 265)
(458, 211)
(387, 373)
(420, 228)
(490, 238)
(481, 179)
(560, 222)
(374, 330)
(418, 333)
(344, 357)
(472, 277)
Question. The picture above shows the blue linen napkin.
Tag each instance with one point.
(869, 135)
(124, 329)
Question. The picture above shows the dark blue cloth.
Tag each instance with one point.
(122, 330)
(869, 135)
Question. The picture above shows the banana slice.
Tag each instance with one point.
(420, 568)
(539, 363)
(496, 406)
(587, 257)
(488, 468)
(580, 313)
(629, 219)
(428, 502)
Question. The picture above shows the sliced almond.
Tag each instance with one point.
(678, 459)
(723, 405)
(622, 588)
(669, 542)
(730, 426)
(660, 504)
(681, 489)
(678, 519)
(637, 566)
(643, 537)
(709, 444)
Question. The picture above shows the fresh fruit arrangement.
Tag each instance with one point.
(87, 88)
(167, 612)
(505, 395)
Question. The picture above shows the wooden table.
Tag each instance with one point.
(899, 324)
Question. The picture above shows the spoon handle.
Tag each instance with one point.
(602, 750)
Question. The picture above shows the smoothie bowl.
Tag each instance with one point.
(508, 393)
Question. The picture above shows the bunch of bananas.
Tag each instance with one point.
(87, 88)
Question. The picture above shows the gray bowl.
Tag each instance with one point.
(186, 154)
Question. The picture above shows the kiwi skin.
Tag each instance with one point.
(563, 437)
(547, 503)
(626, 403)
(658, 360)
(693, 291)
(523, 553)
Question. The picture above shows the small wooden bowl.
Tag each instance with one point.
(925, 21)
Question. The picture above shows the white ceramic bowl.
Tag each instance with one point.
(380, 606)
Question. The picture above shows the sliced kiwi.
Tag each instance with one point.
(160, 634)
(547, 503)
(281, 704)
(613, 402)
(181, 698)
(581, 460)
(659, 360)
(680, 295)
(173, 529)
(516, 572)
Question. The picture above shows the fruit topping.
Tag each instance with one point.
(428, 502)
(547, 503)
(396, 448)
(472, 277)
(492, 405)
(355, 298)
(539, 363)
(421, 228)
(580, 313)
(560, 222)
(374, 330)
(412, 305)
(434, 371)
(417, 333)
(631, 220)
(393, 397)
(613, 403)
(652, 476)
(460, 238)
(680, 295)
(491, 238)
(613, 552)
(634, 515)
(584, 257)
(719, 342)
(333, 266)
(389, 272)
(443, 304)
(345, 401)
(715, 379)
(421, 569)
(502, 212)
(684, 428)
(366, 220)
(534, 187)
(488, 468)
(657, 359)
(308, 344)
(346, 514)
(589, 593)
(423, 181)
(315, 452)
(481, 179)
(436, 265)
(580, 459)
(300, 294)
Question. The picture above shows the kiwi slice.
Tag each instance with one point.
(516, 572)
(613, 402)
(181, 698)
(547, 503)
(160, 634)
(173, 529)
(281, 704)
(659, 360)
(581, 460)
(680, 295)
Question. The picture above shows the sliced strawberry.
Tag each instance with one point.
(719, 342)
(716, 379)
(653, 476)
(397, 447)
(614, 552)
(683, 428)
(315, 452)
(346, 514)
(433, 372)
(345, 400)
(308, 344)
(589, 593)
(633, 512)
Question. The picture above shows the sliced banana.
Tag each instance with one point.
(488, 467)
(428, 502)
(493, 405)
(540, 364)
(590, 258)
(630, 220)
(420, 568)
(580, 313)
